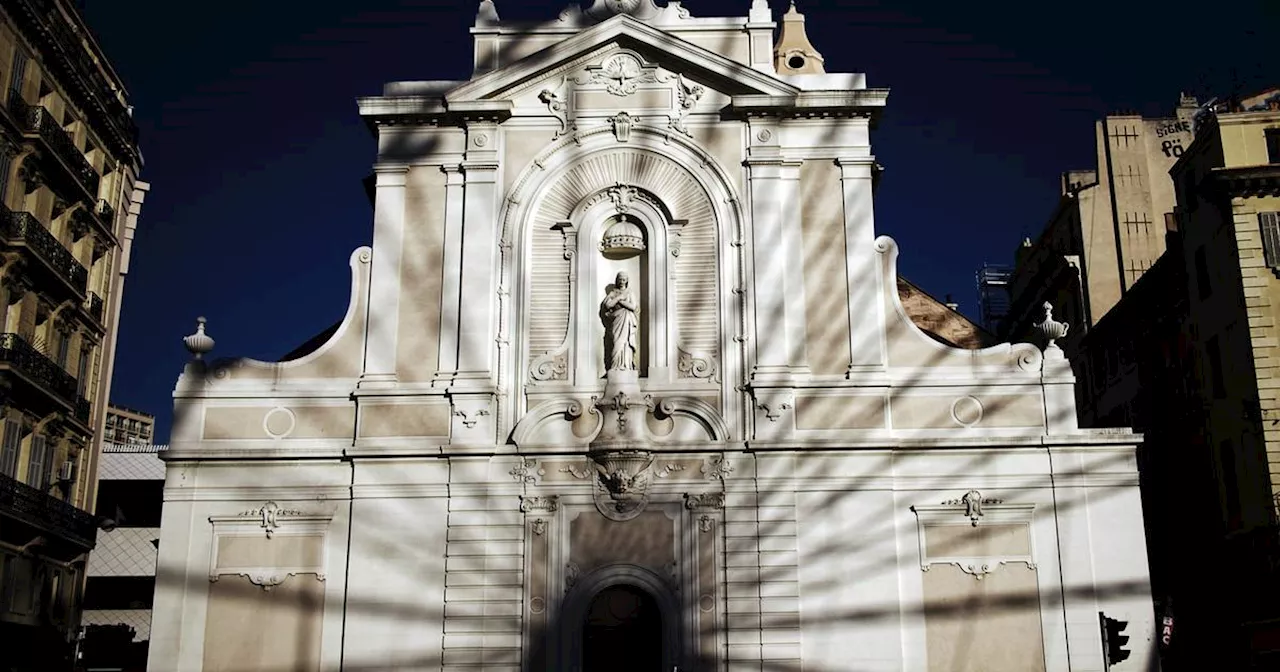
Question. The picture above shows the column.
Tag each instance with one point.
(451, 299)
(862, 265)
(384, 281)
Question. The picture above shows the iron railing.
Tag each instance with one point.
(93, 305)
(106, 215)
(36, 119)
(40, 370)
(24, 227)
(41, 510)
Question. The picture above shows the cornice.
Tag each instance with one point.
(44, 27)
(1248, 181)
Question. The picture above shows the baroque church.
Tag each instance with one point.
(626, 382)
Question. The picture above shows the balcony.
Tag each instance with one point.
(46, 513)
(22, 229)
(106, 215)
(37, 122)
(49, 387)
(94, 307)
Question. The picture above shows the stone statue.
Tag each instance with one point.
(620, 313)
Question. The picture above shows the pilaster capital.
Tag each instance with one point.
(856, 167)
(391, 175)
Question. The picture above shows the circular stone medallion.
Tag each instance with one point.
(967, 411)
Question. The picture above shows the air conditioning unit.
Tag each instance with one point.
(67, 472)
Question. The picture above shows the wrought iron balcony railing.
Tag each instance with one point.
(106, 214)
(23, 227)
(37, 120)
(93, 305)
(38, 369)
(45, 512)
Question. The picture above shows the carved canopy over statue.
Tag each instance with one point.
(620, 313)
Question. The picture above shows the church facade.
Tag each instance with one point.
(625, 383)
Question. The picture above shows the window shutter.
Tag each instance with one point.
(18, 75)
(9, 448)
(37, 465)
(1270, 223)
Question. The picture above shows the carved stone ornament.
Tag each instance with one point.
(698, 367)
(527, 471)
(1050, 329)
(79, 225)
(774, 407)
(623, 196)
(540, 526)
(706, 523)
(622, 124)
(622, 483)
(708, 500)
(559, 108)
(621, 74)
(717, 468)
(270, 514)
(976, 508)
(539, 504)
(30, 175)
(550, 366)
(273, 521)
(972, 502)
(572, 572)
(688, 93)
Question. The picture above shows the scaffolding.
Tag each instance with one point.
(993, 295)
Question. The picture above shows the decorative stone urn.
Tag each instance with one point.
(1051, 329)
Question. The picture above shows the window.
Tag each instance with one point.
(39, 463)
(1202, 273)
(6, 165)
(82, 376)
(64, 349)
(1270, 223)
(1273, 145)
(10, 445)
(18, 75)
(1216, 376)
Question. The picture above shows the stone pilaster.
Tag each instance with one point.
(477, 333)
(451, 299)
(384, 282)
(866, 309)
(778, 260)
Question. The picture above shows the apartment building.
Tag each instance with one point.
(69, 201)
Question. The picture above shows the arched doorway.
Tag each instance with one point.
(622, 632)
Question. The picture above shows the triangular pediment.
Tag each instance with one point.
(625, 32)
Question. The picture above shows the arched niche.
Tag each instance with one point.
(577, 603)
(540, 244)
(649, 273)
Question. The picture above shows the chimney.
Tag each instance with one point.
(955, 307)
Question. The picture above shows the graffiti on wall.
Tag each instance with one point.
(1168, 133)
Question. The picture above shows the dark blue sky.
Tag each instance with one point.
(255, 151)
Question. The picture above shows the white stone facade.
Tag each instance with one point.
(794, 477)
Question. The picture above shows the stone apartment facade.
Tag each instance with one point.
(69, 202)
(1188, 357)
(1107, 228)
(626, 382)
